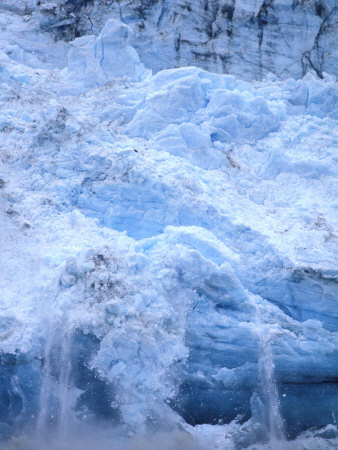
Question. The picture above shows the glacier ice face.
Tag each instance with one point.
(248, 39)
(177, 257)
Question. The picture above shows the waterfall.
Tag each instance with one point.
(46, 385)
(64, 385)
(55, 413)
(268, 387)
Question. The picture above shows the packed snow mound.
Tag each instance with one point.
(177, 240)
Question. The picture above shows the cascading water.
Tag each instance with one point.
(55, 405)
(64, 385)
(268, 388)
(45, 386)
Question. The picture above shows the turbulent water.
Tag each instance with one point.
(168, 241)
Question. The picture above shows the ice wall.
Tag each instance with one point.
(169, 250)
(244, 38)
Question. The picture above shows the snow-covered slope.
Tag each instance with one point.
(168, 252)
(245, 38)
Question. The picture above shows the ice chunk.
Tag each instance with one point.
(83, 66)
(116, 56)
(93, 61)
(175, 100)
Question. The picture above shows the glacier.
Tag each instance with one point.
(245, 38)
(168, 251)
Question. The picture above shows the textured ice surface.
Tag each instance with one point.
(168, 250)
(245, 38)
